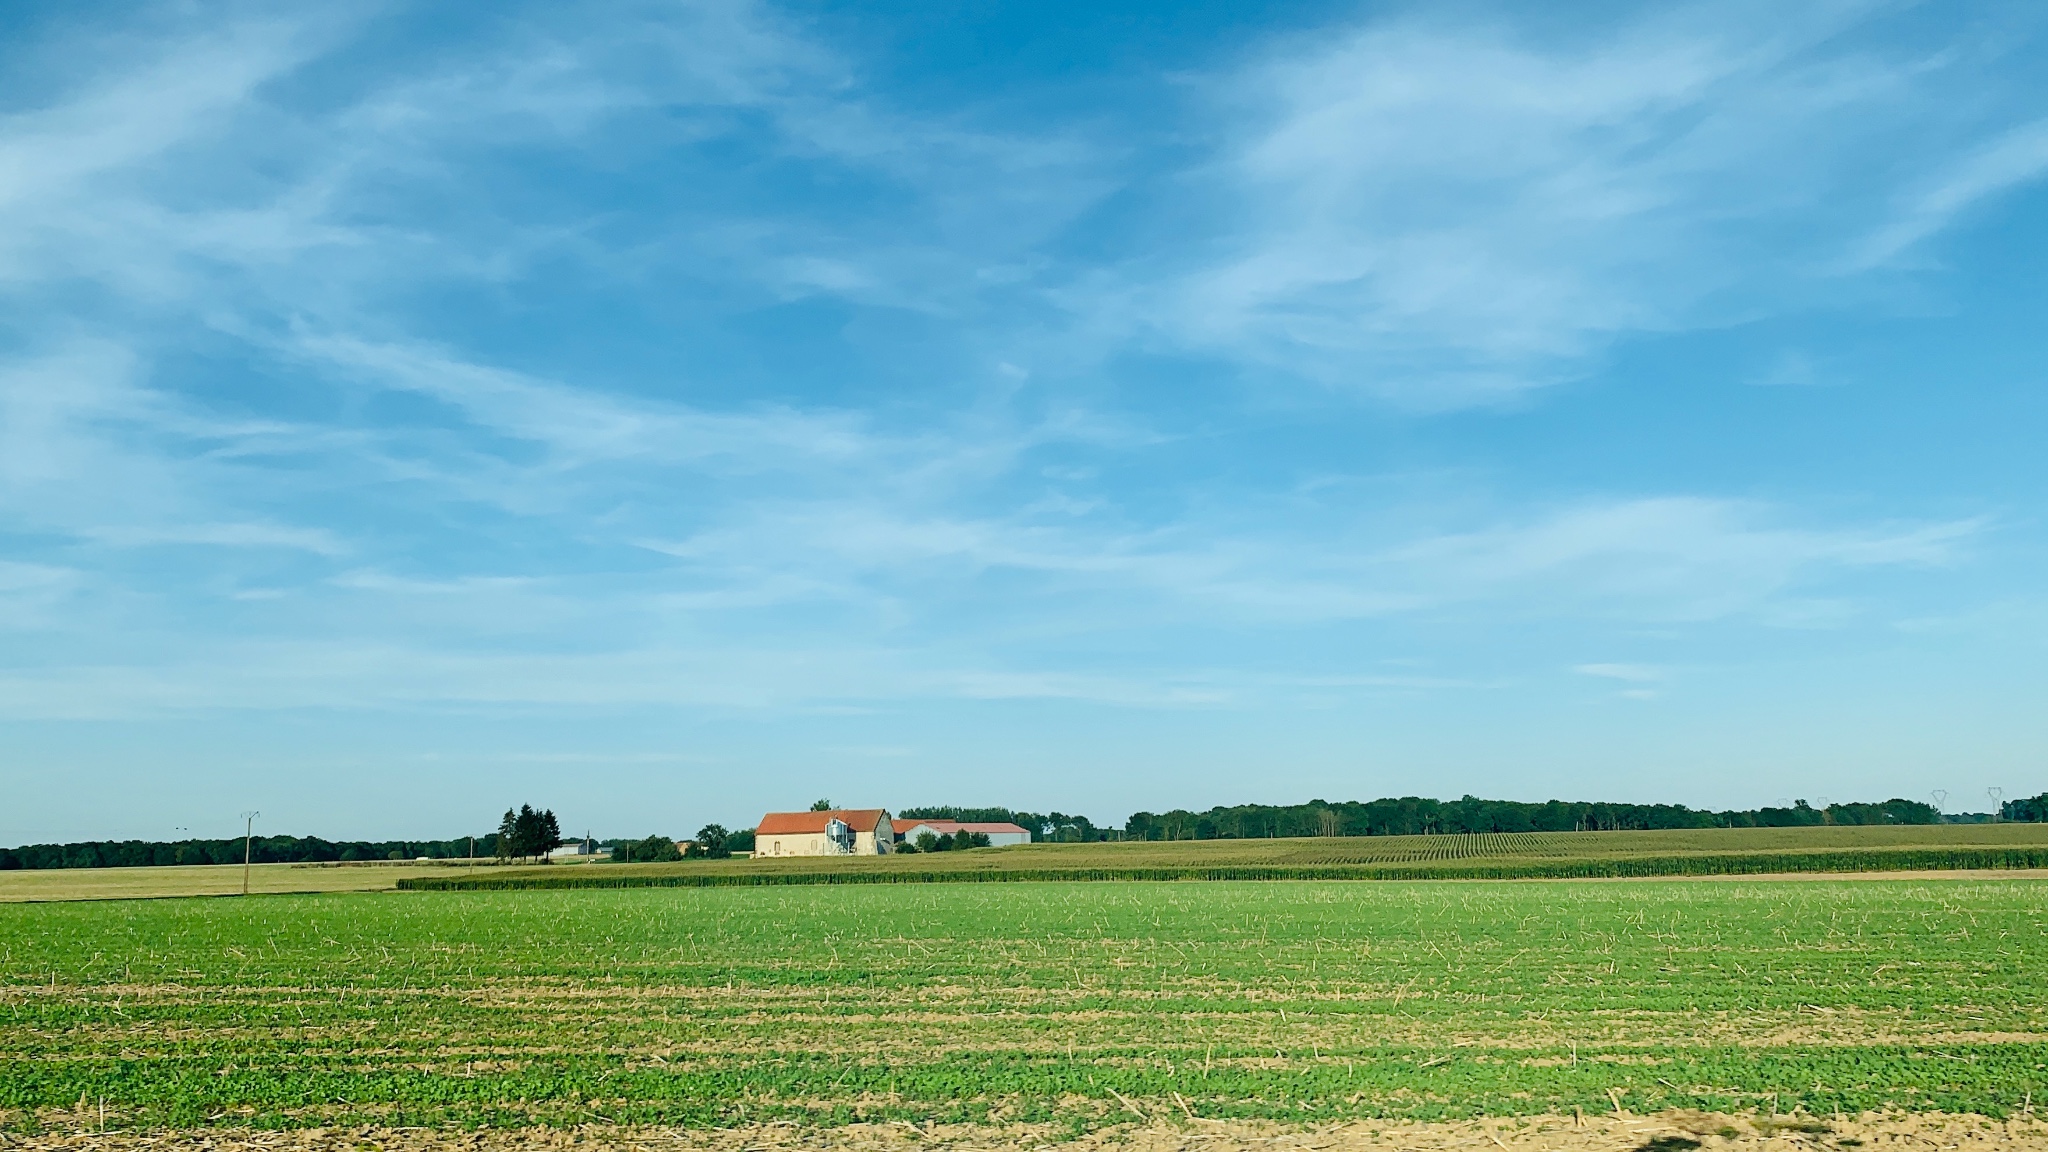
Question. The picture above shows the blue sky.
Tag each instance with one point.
(665, 411)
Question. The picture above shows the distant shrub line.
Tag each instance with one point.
(1718, 864)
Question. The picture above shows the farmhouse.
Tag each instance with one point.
(840, 832)
(998, 834)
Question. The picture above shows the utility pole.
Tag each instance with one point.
(248, 835)
(1997, 796)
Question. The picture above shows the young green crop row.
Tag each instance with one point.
(1310, 1001)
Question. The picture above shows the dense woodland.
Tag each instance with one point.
(1416, 815)
(1408, 815)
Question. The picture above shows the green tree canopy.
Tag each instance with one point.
(655, 849)
(2033, 810)
(713, 841)
(527, 833)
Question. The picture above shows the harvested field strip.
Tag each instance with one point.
(1480, 868)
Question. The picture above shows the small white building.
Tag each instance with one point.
(998, 835)
(584, 847)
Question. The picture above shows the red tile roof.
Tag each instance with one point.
(793, 823)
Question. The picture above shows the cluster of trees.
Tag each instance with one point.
(1410, 815)
(652, 850)
(713, 842)
(526, 833)
(262, 850)
(951, 841)
(2029, 811)
(1049, 827)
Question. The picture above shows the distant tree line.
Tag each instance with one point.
(525, 833)
(1390, 817)
(262, 850)
(1049, 827)
(1412, 815)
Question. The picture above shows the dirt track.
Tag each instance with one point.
(1670, 1132)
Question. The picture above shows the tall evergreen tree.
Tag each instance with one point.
(527, 833)
(508, 835)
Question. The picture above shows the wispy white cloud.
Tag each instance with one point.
(1679, 557)
(396, 675)
(31, 595)
(1639, 681)
(91, 186)
(1443, 214)
(1440, 215)
(561, 75)
(1447, 212)
(183, 174)
(583, 424)
(2017, 158)
(226, 535)
(1663, 559)
(88, 451)
(46, 155)
(1627, 673)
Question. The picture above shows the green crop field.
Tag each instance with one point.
(1695, 851)
(1065, 1003)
